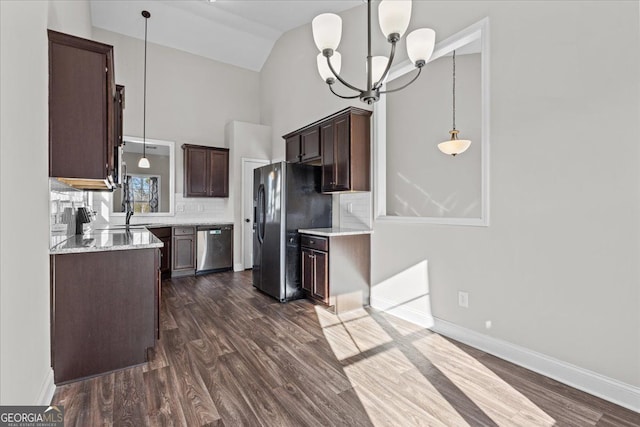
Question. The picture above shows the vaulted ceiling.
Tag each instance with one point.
(237, 32)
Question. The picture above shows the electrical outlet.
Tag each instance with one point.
(487, 324)
(200, 208)
(350, 207)
(180, 207)
(463, 299)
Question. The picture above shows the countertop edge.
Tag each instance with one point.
(329, 232)
(105, 249)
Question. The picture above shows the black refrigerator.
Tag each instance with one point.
(286, 197)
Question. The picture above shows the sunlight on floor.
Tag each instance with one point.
(407, 375)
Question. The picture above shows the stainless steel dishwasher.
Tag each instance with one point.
(215, 248)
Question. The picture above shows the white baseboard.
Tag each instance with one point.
(238, 266)
(47, 389)
(402, 311)
(591, 382)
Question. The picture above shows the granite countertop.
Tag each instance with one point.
(136, 237)
(333, 231)
(160, 225)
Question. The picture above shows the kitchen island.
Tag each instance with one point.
(105, 301)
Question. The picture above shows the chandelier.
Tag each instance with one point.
(394, 16)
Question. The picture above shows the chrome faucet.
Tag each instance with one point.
(129, 215)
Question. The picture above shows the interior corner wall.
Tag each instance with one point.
(557, 270)
(25, 373)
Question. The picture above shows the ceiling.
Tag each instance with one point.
(236, 32)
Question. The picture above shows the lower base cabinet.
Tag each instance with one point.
(164, 234)
(104, 311)
(315, 274)
(336, 270)
(183, 255)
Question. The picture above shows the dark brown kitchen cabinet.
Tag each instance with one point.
(310, 145)
(336, 270)
(315, 274)
(104, 311)
(183, 251)
(206, 171)
(341, 144)
(119, 131)
(346, 152)
(303, 146)
(82, 114)
(165, 235)
(292, 146)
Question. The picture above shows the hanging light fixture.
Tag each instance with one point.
(394, 16)
(144, 162)
(454, 146)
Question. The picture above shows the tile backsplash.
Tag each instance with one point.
(63, 204)
(355, 210)
(196, 209)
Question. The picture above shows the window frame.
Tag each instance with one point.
(478, 31)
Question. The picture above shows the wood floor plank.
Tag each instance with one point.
(197, 405)
(163, 408)
(230, 355)
(257, 394)
(129, 403)
(226, 393)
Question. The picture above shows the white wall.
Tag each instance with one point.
(24, 193)
(292, 93)
(245, 140)
(190, 99)
(557, 271)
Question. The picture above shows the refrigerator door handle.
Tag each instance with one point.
(261, 217)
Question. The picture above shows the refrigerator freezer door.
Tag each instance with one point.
(268, 241)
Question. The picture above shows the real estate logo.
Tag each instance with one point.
(32, 416)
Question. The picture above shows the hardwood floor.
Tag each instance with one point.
(229, 355)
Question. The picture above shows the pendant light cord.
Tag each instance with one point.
(144, 97)
(454, 90)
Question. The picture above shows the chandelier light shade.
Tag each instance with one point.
(323, 67)
(454, 146)
(394, 16)
(327, 31)
(379, 63)
(420, 44)
(144, 162)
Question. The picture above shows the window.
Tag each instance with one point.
(143, 190)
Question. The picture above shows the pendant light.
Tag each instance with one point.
(394, 16)
(144, 162)
(454, 146)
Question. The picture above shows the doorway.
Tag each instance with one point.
(248, 165)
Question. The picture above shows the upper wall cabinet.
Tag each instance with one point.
(341, 144)
(82, 111)
(206, 171)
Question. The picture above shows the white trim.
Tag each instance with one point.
(243, 161)
(409, 314)
(591, 382)
(47, 389)
(479, 30)
(172, 177)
